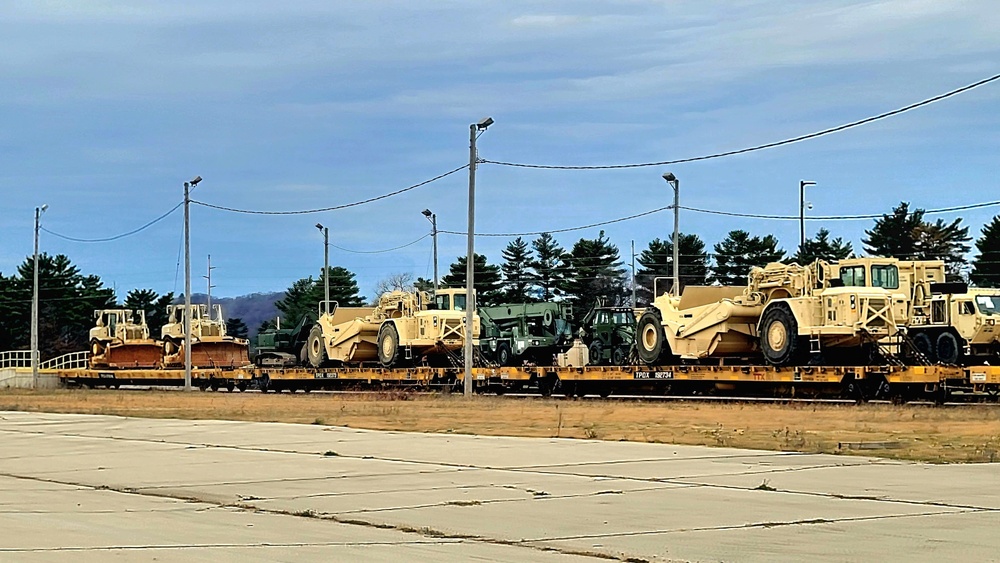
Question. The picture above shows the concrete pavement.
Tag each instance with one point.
(96, 488)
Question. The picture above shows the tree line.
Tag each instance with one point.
(541, 269)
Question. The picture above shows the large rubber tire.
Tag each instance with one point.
(618, 356)
(388, 345)
(596, 353)
(649, 338)
(779, 337)
(923, 343)
(315, 347)
(948, 349)
(503, 354)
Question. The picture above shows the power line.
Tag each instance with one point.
(335, 207)
(116, 237)
(602, 223)
(381, 251)
(789, 141)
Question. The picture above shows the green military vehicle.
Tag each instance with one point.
(515, 333)
(283, 347)
(609, 333)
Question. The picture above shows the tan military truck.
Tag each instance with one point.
(118, 341)
(404, 328)
(785, 312)
(211, 347)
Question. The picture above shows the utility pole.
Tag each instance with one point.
(187, 280)
(34, 301)
(470, 257)
(802, 211)
(676, 184)
(434, 235)
(326, 266)
(633, 273)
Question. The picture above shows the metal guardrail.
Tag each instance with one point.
(15, 359)
(73, 360)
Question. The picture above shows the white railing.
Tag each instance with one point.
(73, 360)
(15, 359)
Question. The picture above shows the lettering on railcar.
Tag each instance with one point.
(653, 375)
(326, 375)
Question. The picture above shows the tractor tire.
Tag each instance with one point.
(503, 354)
(650, 339)
(923, 343)
(388, 345)
(947, 348)
(316, 347)
(779, 337)
(596, 353)
(618, 356)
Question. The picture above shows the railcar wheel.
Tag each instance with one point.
(922, 342)
(650, 338)
(388, 345)
(779, 337)
(316, 348)
(596, 353)
(948, 350)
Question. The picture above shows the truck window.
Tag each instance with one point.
(443, 302)
(460, 302)
(885, 276)
(988, 304)
(853, 276)
(965, 308)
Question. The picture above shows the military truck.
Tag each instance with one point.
(404, 328)
(609, 333)
(118, 341)
(515, 333)
(787, 313)
(211, 347)
(284, 347)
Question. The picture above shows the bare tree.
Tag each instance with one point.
(402, 281)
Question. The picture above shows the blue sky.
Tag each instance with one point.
(107, 107)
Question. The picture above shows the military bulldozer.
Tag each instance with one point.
(404, 328)
(211, 347)
(789, 314)
(117, 341)
(515, 333)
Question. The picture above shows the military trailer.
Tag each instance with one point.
(515, 333)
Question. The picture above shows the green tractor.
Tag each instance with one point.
(279, 347)
(609, 333)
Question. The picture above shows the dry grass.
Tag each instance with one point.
(958, 434)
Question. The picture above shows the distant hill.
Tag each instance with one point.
(254, 309)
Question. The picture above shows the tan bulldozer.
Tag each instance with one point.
(788, 313)
(404, 328)
(211, 347)
(118, 341)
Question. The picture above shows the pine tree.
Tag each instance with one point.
(986, 266)
(153, 304)
(905, 235)
(822, 248)
(657, 260)
(549, 265)
(739, 252)
(594, 274)
(305, 295)
(487, 280)
(236, 328)
(518, 278)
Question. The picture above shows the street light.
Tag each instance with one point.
(34, 300)
(675, 184)
(326, 266)
(434, 235)
(475, 130)
(187, 280)
(802, 210)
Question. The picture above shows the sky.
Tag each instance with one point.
(107, 107)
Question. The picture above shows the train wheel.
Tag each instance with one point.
(215, 385)
(388, 345)
(922, 342)
(948, 350)
(779, 337)
(242, 387)
(650, 338)
(596, 353)
(316, 349)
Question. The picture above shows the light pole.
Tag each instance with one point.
(326, 266)
(475, 130)
(34, 301)
(187, 280)
(675, 183)
(434, 235)
(802, 211)
(633, 274)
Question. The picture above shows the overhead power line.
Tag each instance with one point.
(551, 231)
(335, 207)
(381, 251)
(789, 141)
(116, 237)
